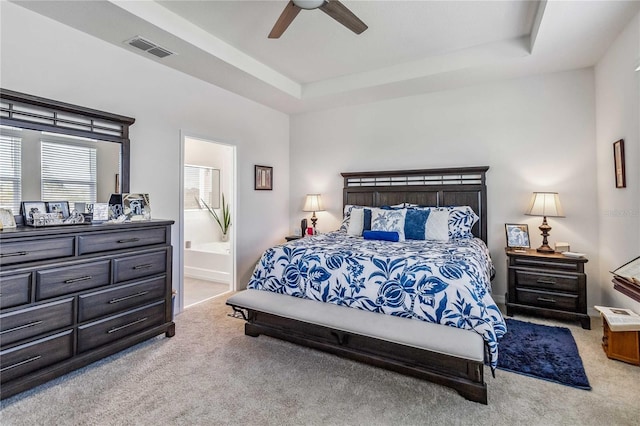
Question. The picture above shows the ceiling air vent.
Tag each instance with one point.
(149, 47)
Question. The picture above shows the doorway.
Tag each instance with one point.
(207, 218)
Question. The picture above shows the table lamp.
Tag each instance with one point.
(313, 203)
(545, 204)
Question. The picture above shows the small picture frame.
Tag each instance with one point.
(28, 208)
(6, 219)
(136, 206)
(60, 207)
(100, 212)
(618, 163)
(517, 235)
(263, 178)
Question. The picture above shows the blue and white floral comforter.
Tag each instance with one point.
(441, 282)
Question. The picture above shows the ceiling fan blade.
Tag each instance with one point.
(340, 13)
(286, 17)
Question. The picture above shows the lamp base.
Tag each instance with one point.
(545, 249)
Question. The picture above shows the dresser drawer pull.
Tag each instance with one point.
(31, 324)
(546, 299)
(18, 364)
(129, 240)
(18, 253)
(145, 266)
(114, 329)
(75, 280)
(546, 281)
(120, 299)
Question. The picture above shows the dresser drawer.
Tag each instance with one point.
(138, 266)
(550, 300)
(121, 240)
(30, 322)
(105, 302)
(28, 251)
(24, 359)
(15, 290)
(116, 327)
(547, 280)
(69, 279)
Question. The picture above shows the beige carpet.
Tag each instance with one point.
(210, 373)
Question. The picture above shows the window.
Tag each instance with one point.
(68, 173)
(201, 183)
(10, 173)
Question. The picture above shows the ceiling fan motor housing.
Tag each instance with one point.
(308, 4)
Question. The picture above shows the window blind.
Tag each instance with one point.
(68, 173)
(10, 173)
(201, 183)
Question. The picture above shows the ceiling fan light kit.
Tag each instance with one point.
(333, 8)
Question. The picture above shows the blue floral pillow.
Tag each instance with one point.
(389, 221)
(461, 221)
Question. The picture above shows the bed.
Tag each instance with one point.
(421, 307)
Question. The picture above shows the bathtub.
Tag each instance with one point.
(208, 261)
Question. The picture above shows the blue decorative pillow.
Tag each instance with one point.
(461, 221)
(414, 224)
(381, 235)
(367, 220)
(388, 220)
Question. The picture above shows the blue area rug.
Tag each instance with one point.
(543, 352)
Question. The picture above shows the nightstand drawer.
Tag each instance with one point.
(547, 281)
(543, 299)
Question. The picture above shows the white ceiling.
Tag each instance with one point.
(410, 47)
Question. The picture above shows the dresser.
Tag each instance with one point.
(71, 295)
(547, 285)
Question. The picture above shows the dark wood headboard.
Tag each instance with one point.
(460, 186)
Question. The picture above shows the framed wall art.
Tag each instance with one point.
(263, 178)
(517, 235)
(618, 163)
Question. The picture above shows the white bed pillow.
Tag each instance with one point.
(356, 222)
(437, 227)
(389, 221)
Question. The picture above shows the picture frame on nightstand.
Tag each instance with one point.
(517, 235)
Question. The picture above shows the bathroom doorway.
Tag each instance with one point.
(208, 220)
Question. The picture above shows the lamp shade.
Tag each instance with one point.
(313, 203)
(545, 204)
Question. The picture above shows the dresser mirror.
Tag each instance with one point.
(40, 124)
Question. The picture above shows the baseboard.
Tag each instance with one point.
(207, 274)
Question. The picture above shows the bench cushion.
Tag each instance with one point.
(409, 332)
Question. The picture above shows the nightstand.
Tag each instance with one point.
(548, 285)
(292, 237)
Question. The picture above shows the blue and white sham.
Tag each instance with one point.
(441, 282)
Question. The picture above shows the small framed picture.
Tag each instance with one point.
(517, 235)
(28, 208)
(618, 163)
(263, 178)
(6, 219)
(136, 206)
(60, 207)
(100, 212)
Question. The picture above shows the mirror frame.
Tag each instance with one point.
(36, 113)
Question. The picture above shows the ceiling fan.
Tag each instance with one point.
(333, 8)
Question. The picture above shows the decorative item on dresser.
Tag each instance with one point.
(74, 295)
(547, 284)
(545, 204)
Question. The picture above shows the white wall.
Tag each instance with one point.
(42, 57)
(536, 134)
(618, 117)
